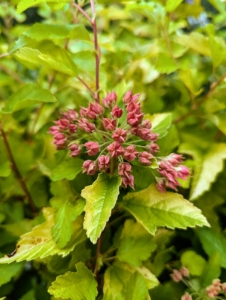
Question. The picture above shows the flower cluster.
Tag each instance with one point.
(178, 275)
(113, 137)
(215, 288)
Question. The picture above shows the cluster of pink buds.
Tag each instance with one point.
(113, 137)
(178, 275)
(215, 288)
(186, 296)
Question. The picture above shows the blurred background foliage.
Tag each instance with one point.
(171, 52)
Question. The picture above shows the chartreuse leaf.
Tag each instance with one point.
(41, 32)
(78, 285)
(171, 5)
(193, 261)
(24, 4)
(136, 288)
(219, 120)
(190, 79)
(7, 272)
(211, 270)
(5, 169)
(39, 242)
(212, 165)
(55, 58)
(67, 169)
(150, 279)
(100, 197)
(212, 242)
(165, 64)
(28, 93)
(136, 244)
(160, 123)
(152, 209)
(64, 217)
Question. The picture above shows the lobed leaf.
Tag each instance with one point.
(152, 209)
(100, 197)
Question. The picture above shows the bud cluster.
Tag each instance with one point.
(178, 275)
(215, 288)
(113, 138)
(186, 296)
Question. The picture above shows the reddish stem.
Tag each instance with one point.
(83, 12)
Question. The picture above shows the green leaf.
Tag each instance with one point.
(171, 5)
(212, 242)
(212, 165)
(219, 120)
(211, 270)
(54, 58)
(39, 242)
(28, 93)
(78, 285)
(190, 80)
(64, 217)
(165, 64)
(218, 50)
(196, 42)
(55, 31)
(193, 261)
(152, 209)
(5, 169)
(68, 169)
(136, 244)
(24, 4)
(150, 279)
(7, 272)
(100, 197)
(160, 123)
(136, 287)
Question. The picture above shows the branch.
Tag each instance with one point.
(88, 88)
(83, 12)
(17, 172)
(198, 103)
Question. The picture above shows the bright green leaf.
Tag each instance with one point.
(150, 279)
(68, 169)
(24, 4)
(165, 64)
(28, 93)
(219, 120)
(160, 123)
(135, 288)
(196, 42)
(152, 209)
(211, 270)
(136, 244)
(5, 169)
(7, 272)
(171, 5)
(193, 261)
(78, 285)
(100, 197)
(39, 242)
(190, 80)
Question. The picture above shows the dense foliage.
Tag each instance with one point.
(98, 103)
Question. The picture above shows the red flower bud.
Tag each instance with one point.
(72, 128)
(146, 124)
(109, 124)
(183, 172)
(174, 159)
(115, 149)
(144, 158)
(128, 97)
(176, 275)
(71, 115)
(119, 135)
(86, 125)
(63, 124)
(128, 180)
(75, 149)
(124, 169)
(92, 147)
(134, 119)
(130, 153)
(89, 167)
(54, 130)
(103, 162)
(110, 99)
(153, 148)
(116, 112)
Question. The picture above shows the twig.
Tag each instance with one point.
(3, 55)
(17, 172)
(11, 73)
(83, 12)
(198, 103)
(86, 85)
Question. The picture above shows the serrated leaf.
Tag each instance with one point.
(64, 217)
(136, 244)
(152, 209)
(193, 262)
(41, 32)
(100, 197)
(135, 288)
(39, 242)
(5, 169)
(24, 4)
(55, 58)
(67, 169)
(28, 93)
(212, 242)
(160, 123)
(7, 272)
(212, 165)
(196, 42)
(211, 270)
(150, 279)
(78, 285)
(171, 5)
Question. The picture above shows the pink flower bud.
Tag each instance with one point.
(116, 112)
(146, 124)
(128, 180)
(183, 172)
(211, 291)
(124, 169)
(71, 115)
(176, 275)
(144, 134)
(161, 185)
(86, 125)
(93, 110)
(128, 97)
(109, 124)
(115, 149)
(154, 137)
(60, 141)
(119, 135)
(59, 136)
(103, 162)
(186, 296)
(174, 159)
(184, 271)
(110, 99)
(144, 158)
(54, 130)
(153, 148)
(63, 124)
(89, 167)
(72, 128)
(173, 184)
(130, 153)
(135, 97)
(224, 286)
(83, 112)
(75, 150)
(92, 147)
(134, 119)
